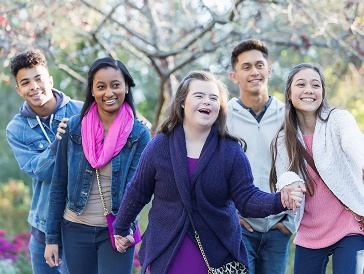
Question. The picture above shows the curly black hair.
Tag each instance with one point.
(27, 59)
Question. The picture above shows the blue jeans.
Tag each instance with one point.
(88, 250)
(39, 265)
(267, 252)
(344, 257)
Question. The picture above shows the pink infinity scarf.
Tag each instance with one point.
(97, 150)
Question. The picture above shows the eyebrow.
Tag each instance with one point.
(27, 79)
(301, 79)
(250, 63)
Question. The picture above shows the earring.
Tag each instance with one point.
(92, 95)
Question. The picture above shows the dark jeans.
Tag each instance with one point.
(88, 250)
(267, 252)
(344, 257)
(39, 265)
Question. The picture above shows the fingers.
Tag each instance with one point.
(122, 243)
(246, 224)
(297, 197)
(51, 255)
(302, 187)
(61, 128)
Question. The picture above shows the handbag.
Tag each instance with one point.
(110, 218)
(229, 268)
(311, 163)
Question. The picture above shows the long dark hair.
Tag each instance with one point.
(175, 112)
(95, 67)
(290, 129)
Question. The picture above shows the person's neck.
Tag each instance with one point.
(195, 140)
(255, 101)
(106, 119)
(46, 109)
(307, 123)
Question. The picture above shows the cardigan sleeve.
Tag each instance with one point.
(351, 138)
(249, 199)
(138, 192)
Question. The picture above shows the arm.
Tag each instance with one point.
(35, 158)
(138, 192)
(58, 192)
(350, 136)
(250, 200)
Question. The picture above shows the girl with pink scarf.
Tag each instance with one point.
(98, 152)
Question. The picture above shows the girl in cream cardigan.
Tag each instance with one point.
(330, 221)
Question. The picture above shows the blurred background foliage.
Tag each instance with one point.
(160, 42)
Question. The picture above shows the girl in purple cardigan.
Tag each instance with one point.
(193, 166)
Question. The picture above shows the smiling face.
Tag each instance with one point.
(306, 91)
(202, 104)
(34, 85)
(109, 89)
(251, 73)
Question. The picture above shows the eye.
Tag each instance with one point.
(100, 87)
(246, 67)
(117, 85)
(214, 98)
(300, 85)
(316, 85)
(260, 65)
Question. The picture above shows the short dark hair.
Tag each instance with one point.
(27, 59)
(246, 45)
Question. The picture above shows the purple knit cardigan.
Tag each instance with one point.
(221, 183)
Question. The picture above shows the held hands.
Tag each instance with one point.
(51, 255)
(292, 195)
(122, 243)
(60, 130)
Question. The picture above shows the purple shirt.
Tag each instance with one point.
(188, 258)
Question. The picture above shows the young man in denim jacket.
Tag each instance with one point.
(256, 117)
(32, 137)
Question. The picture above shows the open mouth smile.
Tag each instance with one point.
(205, 111)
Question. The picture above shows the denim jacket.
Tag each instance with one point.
(33, 151)
(73, 174)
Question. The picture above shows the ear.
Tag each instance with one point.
(18, 90)
(270, 72)
(233, 77)
(51, 80)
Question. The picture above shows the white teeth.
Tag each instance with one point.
(307, 99)
(110, 101)
(254, 81)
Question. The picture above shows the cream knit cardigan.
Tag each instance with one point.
(338, 152)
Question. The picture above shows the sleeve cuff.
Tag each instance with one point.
(287, 178)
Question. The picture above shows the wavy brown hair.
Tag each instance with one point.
(290, 129)
(175, 112)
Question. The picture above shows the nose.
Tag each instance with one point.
(254, 71)
(108, 92)
(33, 85)
(206, 101)
(308, 90)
